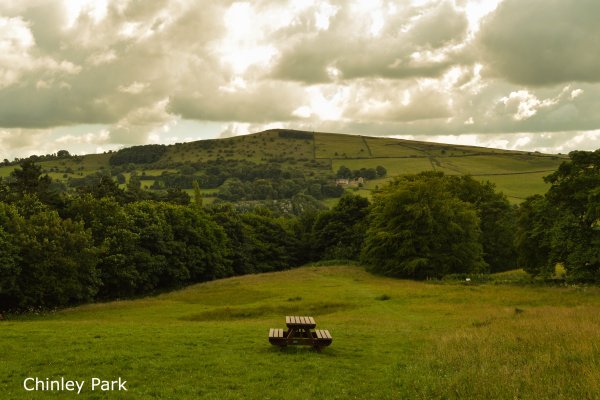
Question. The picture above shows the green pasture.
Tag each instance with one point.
(517, 175)
(392, 339)
(5, 171)
(384, 147)
(329, 145)
(519, 186)
(394, 166)
(496, 164)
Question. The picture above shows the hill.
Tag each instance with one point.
(427, 340)
(318, 155)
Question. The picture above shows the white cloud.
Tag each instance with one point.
(102, 57)
(143, 124)
(16, 41)
(323, 15)
(96, 9)
(576, 93)
(96, 138)
(526, 104)
(134, 88)
(447, 69)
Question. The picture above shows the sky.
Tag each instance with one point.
(91, 76)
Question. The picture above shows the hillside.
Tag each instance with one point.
(427, 340)
(317, 155)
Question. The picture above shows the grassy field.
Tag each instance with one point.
(517, 174)
(426, 341)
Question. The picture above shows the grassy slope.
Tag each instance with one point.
(428, 341)
(518, 174)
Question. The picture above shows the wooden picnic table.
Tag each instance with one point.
(300, 331)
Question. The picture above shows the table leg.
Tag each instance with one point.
(290, 335)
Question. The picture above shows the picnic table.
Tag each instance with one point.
(300, 331)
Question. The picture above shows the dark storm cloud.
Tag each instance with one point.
(543, 42)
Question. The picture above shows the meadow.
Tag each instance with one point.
(392, 339)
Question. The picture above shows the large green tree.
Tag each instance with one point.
(534, 236)
(497, 220)
(419, 229)
(574, 198)
(339, 233)
(10, 269)
(28, 180)
(53, 261)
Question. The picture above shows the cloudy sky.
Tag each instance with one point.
(89, 76)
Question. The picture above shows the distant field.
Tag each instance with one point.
(382, 147)
(328, 145)
(428, 341)
(5, 171)
(518, 187)
(518, 174)
(394, 166)
(496, 164)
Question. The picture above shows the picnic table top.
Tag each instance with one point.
(300, 322)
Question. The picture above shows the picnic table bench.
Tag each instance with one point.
(300, 332)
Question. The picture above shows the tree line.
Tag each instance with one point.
(102, 242)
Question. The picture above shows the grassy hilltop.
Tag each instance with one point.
(426, 341)
(517, 174)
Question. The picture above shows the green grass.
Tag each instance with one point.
(329, 145)
(394, 166)
(5, 171)
(518, 187)
(497, 164)
(516, 176)
(392, 339)
(383, 147)
(334, 150)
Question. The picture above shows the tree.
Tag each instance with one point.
(238, 251)
(4, 191)
(533, 236)
(339, 232)
(271, 246)
(497, 220)
(121, 254)
(418, 230)
(198, 200)
(138, 154)
(198, 243)
(574, 200)
(344, 173)
(177, 196)
(103, 186)
(10, 269)
(147, 245)
(28, 180)
(55, 261)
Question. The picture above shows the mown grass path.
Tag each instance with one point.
(209, 341)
